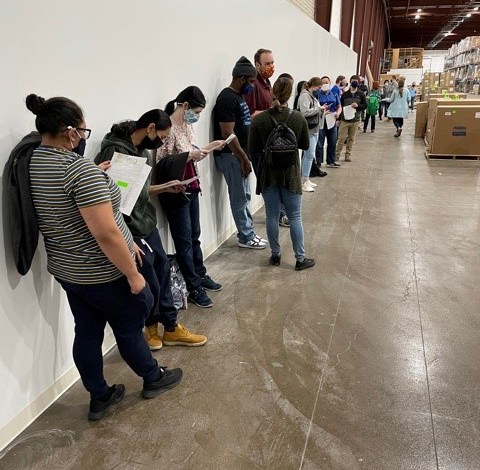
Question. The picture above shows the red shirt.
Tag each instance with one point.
(260, 98)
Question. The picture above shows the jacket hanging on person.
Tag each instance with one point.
(22, 222)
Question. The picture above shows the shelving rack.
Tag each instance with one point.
(463, 60)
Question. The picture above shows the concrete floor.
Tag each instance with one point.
(369, 361)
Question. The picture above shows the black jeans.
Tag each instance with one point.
(156, 271)
(184, 224)
(95, 305)
(365, 124)
(398, 122)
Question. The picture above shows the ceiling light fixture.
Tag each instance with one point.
(469, 15)
(475, 9)
(419, 10)
(417, 17)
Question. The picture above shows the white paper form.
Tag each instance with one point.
(348, 112)
(331, 121)
(129, 173)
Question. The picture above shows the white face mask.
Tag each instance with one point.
(326, 87)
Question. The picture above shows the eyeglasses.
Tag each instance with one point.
(87, 131)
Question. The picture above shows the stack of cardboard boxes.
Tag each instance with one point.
(438, 83)
(451, 127)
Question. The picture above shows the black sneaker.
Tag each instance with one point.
(323, 173)
(98, 407)
(170, 379)
(333, 165)
(305, 264)
(199, 297)
(284, 222)
(209, 284)
(275, 260)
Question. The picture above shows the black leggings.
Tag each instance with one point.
(398, 122)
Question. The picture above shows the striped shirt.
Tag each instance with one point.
(63, 182)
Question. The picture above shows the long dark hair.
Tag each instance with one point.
(156, 116)
(299, 90)
(192, 95)
(55, 114)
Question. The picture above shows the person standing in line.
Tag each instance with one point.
(279, 171)
(348, 128)
(175, 162)
(413, 95)
(91, 253)
(364, 88)
(338, 87)
(137, 138)
(387, 93)
(399, 104)
(232, 116)
(325, 96)
(314, 113)
(260, 99)
(374, 100)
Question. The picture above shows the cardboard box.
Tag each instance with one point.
(433, 103)
(421, 118)
(456, 131)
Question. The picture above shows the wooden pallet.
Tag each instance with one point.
(433, 156)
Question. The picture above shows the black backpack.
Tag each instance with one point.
(281, 149)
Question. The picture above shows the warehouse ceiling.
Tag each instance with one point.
(432, 24)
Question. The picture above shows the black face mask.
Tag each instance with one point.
(150, 144)
(80, 148)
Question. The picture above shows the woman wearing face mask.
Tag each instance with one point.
(386, 94)
(326, 97)
(136, 138)
(399, 105)
(314, 113)
(177, 159)
(91, 253)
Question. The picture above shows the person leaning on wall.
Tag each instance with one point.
(136, 138)
(91, 253)
(177, 159)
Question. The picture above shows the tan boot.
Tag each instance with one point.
(151, 334)
(182, 337)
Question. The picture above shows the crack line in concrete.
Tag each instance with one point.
(345, 277)
(414, 246)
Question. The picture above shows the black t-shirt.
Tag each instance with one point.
(231, 107)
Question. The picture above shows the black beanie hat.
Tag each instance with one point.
(244, 68)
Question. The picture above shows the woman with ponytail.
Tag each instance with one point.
(314, 113)
(177, 159)
(281, 183)
(399, 106)
(91, 253)
(137, 138)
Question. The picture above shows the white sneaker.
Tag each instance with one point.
(260, 240)
(253, 244)
(307, 188)
(312, 184)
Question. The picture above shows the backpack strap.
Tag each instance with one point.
(275, 123)
(288, 117)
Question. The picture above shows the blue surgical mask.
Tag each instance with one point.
(247, 88)
(190, 116)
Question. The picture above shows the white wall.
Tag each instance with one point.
(336, 18)
(118, 59)
(434, 61)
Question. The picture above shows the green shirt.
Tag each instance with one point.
(288, 178)
(61, 183)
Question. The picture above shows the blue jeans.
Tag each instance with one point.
(331, 135)
(184, 224)
(273, 197)
(95, 305)
(308, 156)
(239, 194)
(156, 271)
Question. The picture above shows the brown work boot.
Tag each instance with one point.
(153, 339)
(182, 337)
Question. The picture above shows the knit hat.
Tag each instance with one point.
(244, 68)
